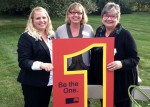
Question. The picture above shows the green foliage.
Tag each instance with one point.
(12, 6)
(100, 4)
(142, 5)
(89, 5)
(58, 9)
(125, 5)
(55, 7)
(41, 3)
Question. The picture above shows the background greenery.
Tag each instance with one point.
(58, 7)
(12, 27)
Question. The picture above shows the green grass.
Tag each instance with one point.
(12, 27)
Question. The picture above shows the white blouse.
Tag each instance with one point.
(36, 64)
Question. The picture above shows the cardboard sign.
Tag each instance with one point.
(70, 88)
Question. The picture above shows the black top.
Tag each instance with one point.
(70, 34)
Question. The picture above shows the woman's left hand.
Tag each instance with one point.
(114, 65)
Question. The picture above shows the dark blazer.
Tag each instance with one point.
(127, 53)
(31, 50)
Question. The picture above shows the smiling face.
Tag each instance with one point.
(110, 20)
(75, 15)
(110, 15)
(40, 21)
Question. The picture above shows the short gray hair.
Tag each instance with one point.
(111, 7)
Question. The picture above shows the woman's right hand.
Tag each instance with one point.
(114, 65)
(46, 66)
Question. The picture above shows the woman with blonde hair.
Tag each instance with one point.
(76, 27)
(35, 59)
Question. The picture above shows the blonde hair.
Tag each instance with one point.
(76, 6)
(32, 30)
(111, 7)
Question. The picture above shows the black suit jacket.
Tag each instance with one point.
(29, 51)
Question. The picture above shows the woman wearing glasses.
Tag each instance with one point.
(76, 27)
(125, 55)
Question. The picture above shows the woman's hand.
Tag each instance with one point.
(114, 65)
(46, 66)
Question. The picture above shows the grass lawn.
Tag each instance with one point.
(11, 28)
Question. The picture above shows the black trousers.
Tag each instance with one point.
(120, 104)
(126, 103)
(36, 96)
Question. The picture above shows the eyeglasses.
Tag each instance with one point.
(74, 13)
(110, 16)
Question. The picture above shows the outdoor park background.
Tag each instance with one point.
(12, 24)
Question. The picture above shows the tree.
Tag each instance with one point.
(142, 5)
(55, 7)
(125, 5)
(12, 6)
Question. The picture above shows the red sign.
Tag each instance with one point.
(70, 88)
